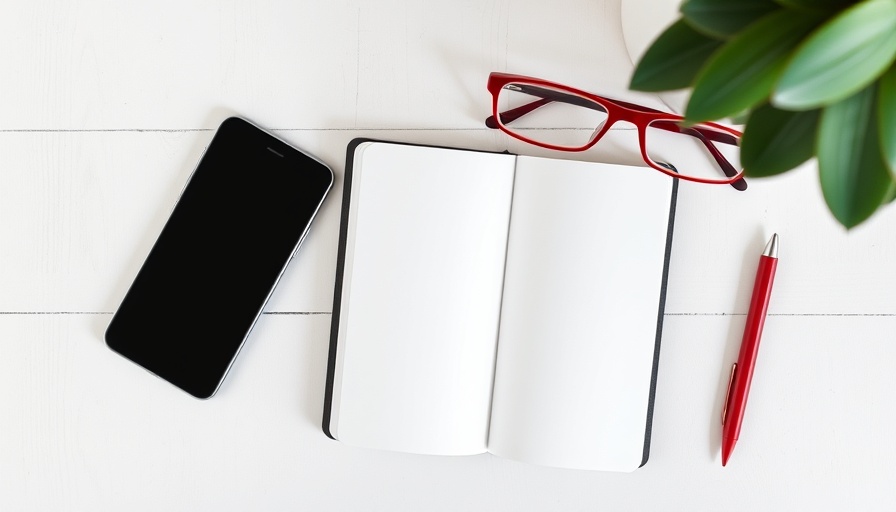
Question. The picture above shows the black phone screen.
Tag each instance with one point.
(235, 227)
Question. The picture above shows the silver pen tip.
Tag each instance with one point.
(771, 250)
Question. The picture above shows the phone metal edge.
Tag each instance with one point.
(273, 286)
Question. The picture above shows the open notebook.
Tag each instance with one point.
(498, 303)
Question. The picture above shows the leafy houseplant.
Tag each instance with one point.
(806, 77)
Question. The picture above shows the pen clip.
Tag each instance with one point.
(728, 393)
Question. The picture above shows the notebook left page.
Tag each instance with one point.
(421, 297)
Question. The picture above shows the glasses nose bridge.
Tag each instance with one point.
(620, 118)
(626, 115)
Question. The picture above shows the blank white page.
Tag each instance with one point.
(421, 298)
(578, 326)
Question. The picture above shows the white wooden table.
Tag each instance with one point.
(105, 108)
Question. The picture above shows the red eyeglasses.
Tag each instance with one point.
(567, 119)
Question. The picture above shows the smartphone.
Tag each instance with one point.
(241, 217)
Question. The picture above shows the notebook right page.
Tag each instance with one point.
(583, 290)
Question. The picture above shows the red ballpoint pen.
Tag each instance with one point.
(742, 370)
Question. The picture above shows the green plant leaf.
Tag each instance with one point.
(742, 73)
(776, 140)
(673, 59)
(843, 56)
(891, 195)
(724, 18)
(854, 178)
(886, 115)
(741, 117)
(816, 5)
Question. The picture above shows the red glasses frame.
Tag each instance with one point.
(616, 111)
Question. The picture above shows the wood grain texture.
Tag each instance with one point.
(106, 109)
(299, 64)
(86, 430)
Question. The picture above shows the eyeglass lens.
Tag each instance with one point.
(550, 116)
(700, 151)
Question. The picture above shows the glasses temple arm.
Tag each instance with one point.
(723, 162)
(547, 96)
(512, 115)
(712, 135)
(726, 166)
